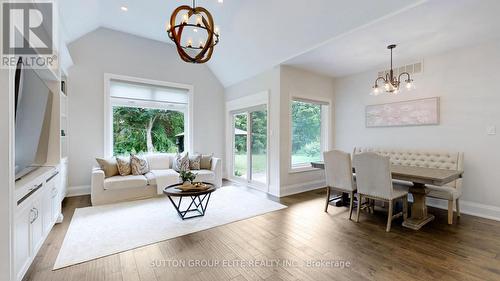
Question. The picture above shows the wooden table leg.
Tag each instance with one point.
(419, 216)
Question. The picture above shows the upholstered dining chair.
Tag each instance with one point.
(338, 171)
(374, 181)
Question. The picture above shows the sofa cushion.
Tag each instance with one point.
(159, 161)
(206, 162)
(164, 178)
(194, 161)
(123, 164)
(153, 174)
(204, 175)
(109, 166)
(124, 182)
(181, 162)
(139, 165)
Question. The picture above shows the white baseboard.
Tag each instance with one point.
(78, 190)
(301, 187)
(469, 208)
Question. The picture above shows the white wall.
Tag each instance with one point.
(268, 81)
(466, 80)
(108, 51)
(6, 180)
(302, 84)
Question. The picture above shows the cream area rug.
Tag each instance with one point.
(100, 231)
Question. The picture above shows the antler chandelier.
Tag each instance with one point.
(391, 82)
(202, 27)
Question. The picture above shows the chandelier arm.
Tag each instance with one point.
(177, 34)
(209, 23)
(380, 78)
(404, 73)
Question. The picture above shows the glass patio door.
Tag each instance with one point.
(250, 146)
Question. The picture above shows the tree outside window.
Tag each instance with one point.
(306, 132)
(146, 130)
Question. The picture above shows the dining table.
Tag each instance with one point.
(417, 178)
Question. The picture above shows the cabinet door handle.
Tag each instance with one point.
(36, 216)
(32, 215)
(53, 176)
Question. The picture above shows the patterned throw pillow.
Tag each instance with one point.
(123, 164)
(139, 165)
(181, 162)
(194, 162)
(206, 162)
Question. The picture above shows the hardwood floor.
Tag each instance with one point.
(468, 250)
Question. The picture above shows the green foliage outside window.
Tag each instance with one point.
(140, 130)
(306, 132)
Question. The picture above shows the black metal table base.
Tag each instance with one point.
(198, 205)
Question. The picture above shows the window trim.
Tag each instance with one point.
(108, 112)
(326, 116)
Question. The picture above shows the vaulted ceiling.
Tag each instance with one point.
(334, 37)
(431, 28)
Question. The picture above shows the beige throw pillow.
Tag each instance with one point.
(108, 166)
(194, 162)
(206, 162)
(139, 165)
(123, 164)
(181, 162)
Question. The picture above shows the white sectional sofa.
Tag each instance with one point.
(132, 187)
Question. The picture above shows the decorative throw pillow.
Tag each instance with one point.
(206, 162)
(123, 164)
(194, 162)
(181, 162)
(108, 166)
(139, 165)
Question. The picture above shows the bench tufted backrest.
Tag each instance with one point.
(420, 158)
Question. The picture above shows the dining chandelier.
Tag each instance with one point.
(392, 83)
(194, 23)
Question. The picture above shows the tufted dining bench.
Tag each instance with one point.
(429, 159)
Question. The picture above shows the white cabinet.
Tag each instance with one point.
(47, 217)
(28, 235)
(56, 204)
(63, 178)
(38, 208)
(37, 232)
(22, 240)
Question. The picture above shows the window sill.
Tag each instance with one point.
(302, 169)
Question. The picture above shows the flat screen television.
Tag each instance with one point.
(33, 106)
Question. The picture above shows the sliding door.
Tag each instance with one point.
(250, 146)
(258, 146)
(240, 152)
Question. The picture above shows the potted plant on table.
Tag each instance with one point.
(187, 177)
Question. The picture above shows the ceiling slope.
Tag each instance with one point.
(255, 35)
(431, 28)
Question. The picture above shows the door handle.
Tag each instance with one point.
(36, 215)
(32, 215)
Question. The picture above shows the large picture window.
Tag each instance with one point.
(147, 118)
(309, 132)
